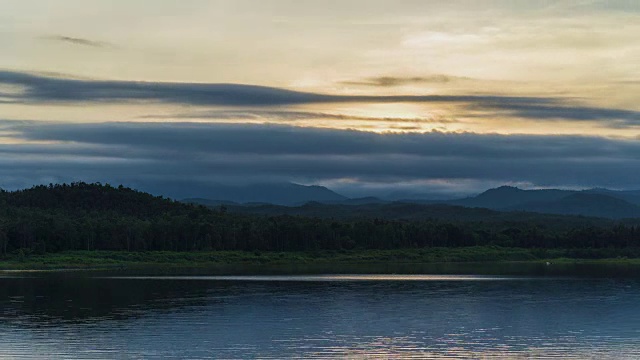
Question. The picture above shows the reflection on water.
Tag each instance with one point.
(325, 278)
(104, 316)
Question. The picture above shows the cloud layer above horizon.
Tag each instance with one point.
(366, 97)
(153, 155)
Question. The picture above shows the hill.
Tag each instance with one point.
(594, 202)
(401, 211)
(83, 197)
(83, 216)
(587, 204)
(631, 196)
(506, 197)
(271, 193)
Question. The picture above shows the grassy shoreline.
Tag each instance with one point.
(159, 259)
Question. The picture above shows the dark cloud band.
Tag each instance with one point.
(156, 155)
(39, 88)
(42, 89)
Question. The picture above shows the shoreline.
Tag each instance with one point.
(433, 257)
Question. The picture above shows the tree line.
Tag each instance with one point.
(81, 216)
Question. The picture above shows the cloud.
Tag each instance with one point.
(391, 81)
(44, 89)
(78, 41)
(286, 115)
(613, 118)
(184, 159)
(286, 140)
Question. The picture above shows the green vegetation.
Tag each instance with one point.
(47, 226)
(154, 259)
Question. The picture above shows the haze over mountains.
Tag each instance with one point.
(316, 200)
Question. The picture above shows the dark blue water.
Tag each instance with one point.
(100, 316)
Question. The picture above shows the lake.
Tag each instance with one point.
(106, 315)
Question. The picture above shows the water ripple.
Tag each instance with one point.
(318, 317)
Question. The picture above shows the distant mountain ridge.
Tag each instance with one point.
(507, 196)
(267, 193)
(591, 202)
(587, 204)
(597, 202)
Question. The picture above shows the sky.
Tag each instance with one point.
(371, 97)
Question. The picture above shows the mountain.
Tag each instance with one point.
(81, 216)
(409, 212)
(396, 210)
(632, 196)
(364, 201)
(586, 204)
(293, 199)
(208, 202)
(507, 196)
(271, 193)
(593, 202)
(421, 196)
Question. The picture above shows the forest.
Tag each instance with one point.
(82, 216)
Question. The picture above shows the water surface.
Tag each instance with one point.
(116, 315)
